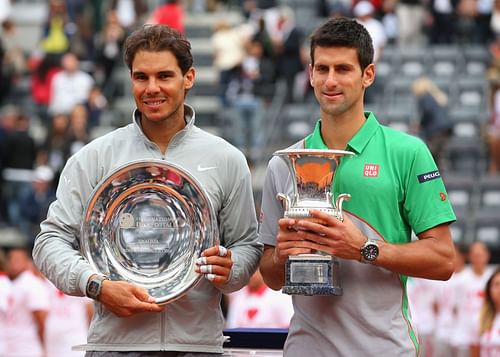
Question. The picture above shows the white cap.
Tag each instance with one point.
(44, 173)
(363, 8)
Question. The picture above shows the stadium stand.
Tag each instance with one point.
(459, 69)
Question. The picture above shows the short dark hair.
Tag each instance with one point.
(157, 38)
(344, 32)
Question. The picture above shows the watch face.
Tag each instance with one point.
(370, 252)
(93, 288)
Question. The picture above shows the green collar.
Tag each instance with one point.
(357, 143)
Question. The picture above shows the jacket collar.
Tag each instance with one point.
(189, 117)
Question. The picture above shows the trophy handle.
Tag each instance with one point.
(285, 200)
(338, 203)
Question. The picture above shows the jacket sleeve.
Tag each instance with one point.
(56, 252)
(238, 228)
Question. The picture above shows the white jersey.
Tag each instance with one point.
(422, 296)
(68, 90)
(490, 340)
(264, 308)
(448, 293)
(28, 294)
(5, 287)
(67, 323)
(469, 303)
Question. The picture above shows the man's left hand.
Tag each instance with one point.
(215, 264)
(339, 238)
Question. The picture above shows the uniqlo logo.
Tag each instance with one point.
(371, 170)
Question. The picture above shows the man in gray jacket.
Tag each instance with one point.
(126, 317)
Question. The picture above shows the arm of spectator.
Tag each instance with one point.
(40, 316)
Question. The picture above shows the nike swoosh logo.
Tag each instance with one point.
(67, 181)
(201, 169)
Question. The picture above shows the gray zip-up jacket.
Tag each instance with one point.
(194, 322)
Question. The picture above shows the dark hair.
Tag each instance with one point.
(48, 62)
(157, 38)
(488, 297)
(344, 32)
(488, 310)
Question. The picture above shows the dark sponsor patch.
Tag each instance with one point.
(428, 176)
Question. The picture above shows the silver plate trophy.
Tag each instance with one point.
(147, 223)
(312, 172)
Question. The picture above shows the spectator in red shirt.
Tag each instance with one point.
(170, 14)
(41, 82)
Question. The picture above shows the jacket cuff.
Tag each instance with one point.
(84, 278)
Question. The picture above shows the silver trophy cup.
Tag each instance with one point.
(313, 173)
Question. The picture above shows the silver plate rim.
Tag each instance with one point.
(212, 230)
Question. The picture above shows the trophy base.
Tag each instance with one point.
(312, 274)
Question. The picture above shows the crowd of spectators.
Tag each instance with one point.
(72, 81)
(72, 70)
(447, 313)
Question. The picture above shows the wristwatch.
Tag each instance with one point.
(94, 286)
(369, 251)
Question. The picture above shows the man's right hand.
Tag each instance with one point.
(288, 242)
(124, 299)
